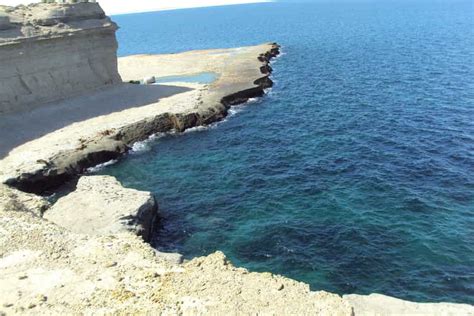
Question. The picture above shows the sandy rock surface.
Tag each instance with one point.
(47, 269)
(101, 206)
(378, 305)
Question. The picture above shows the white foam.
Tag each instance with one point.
(101, 166)
(234, 110)
(275, 59)
(145, 145)
(199, 128)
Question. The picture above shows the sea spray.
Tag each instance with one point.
(145, 145)
(101, 166)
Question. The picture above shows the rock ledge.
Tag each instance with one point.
(101, 206)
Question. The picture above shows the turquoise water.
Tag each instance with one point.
(204, 78)
(354, 174)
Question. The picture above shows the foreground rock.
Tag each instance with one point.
(46, 269)
(101, 206)
(377, 304)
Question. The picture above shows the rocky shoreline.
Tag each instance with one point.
(90, 263)
(59, 170)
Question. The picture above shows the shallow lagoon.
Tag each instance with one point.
(203, 78)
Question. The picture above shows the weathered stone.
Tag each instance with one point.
(377, 304)
(101, 206)
(174, 258)
(59, 64)
(12, 200)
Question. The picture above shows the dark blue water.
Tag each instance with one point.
(354, 174)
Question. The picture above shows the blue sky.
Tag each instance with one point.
(129, 6)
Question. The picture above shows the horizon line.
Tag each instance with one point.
(122, 7)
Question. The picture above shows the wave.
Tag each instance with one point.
(276, 58)
(145, 145)
(199, 128)
(101, 166)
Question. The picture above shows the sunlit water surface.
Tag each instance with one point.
(355, 173)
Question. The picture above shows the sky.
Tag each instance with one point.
(130, 6)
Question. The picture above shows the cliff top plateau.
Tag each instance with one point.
(49, 20)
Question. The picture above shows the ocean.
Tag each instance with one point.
(355, 172)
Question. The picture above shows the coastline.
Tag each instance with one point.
(51, 168)
(59, 271)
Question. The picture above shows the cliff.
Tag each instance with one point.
(53, 51)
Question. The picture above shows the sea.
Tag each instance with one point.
(354, 173)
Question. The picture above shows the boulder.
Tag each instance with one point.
(170, 257)
(149, 80)
(101, 206)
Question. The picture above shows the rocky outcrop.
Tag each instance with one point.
(54, 51)
(246, 80)
(47, 270)
(11, 199)
(101, 206)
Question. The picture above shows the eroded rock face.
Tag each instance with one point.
(54, 51)
(4, 22)
(101, 206)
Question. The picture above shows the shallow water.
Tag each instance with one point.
(354, 174)
(203, 78)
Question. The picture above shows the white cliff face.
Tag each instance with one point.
(53, 51)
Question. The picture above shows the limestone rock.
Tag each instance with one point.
(101, 206)
(212, 285)
(64, 13)
(377, 304)
(12, 200)
(174, 258)
(55, 51)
